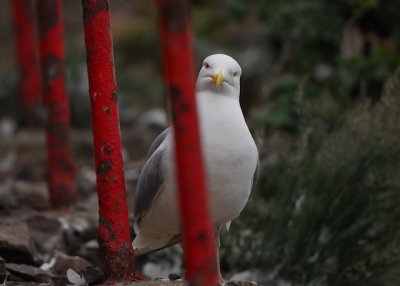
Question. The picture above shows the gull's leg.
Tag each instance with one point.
(217, 242)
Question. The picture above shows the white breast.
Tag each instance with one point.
(230, 153)
(230, 158)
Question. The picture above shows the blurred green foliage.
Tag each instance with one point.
(309, 40)
(328, 211)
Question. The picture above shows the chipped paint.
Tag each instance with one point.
(113, 233)
(103, 168)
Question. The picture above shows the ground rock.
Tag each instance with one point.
(90, 251)
(241, 283)
(3, 270)
(28, 284)
(92, 275)
(154, 118)
(165, 282)
(61, 262)
(15, 242)
(87, 276)
(157, 283)
(8, 201)
(8, 127)
(8, 163)
(79, 228)
(249, 275)
(29, 273)
(174, 276)
(48, 229)
(86, 180)
(33, 195)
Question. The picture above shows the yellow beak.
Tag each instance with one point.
(217, 78)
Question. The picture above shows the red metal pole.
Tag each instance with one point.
(114, 233)
(28, 56)
(176, 40)
(59, 151)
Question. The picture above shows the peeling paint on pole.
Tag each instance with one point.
(61, 169)
(200, 255)
(28, 55)
(114, 233)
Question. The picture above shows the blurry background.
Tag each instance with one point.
(321, 94)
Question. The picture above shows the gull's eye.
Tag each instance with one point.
(235, 74)
(206, 65)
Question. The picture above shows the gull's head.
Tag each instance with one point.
(220, 74)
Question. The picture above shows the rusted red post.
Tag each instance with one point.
(60, 160)
(28, 55)
(114, 232)
(176, 41)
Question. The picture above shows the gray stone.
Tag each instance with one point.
(15, 242)
(86, 180)
(46, 228)
(8, 162)
(29, 273)
(157, 283)
(3, 270)
(241, 283)
(32, 194)
(62, 262)
(90, 251)
(8, 201)
(7, 130)
(174, 276)
(154, 118)
(92, 275)
(29, 284)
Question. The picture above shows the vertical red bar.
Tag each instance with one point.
(114, 233)
(28, 56)
(59, 151)
(176, 40)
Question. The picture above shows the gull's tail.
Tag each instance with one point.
(146, 245)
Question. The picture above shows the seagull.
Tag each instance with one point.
(231, 162)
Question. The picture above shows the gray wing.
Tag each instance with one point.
(150, 179)
(157, 142)
(255, 176)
